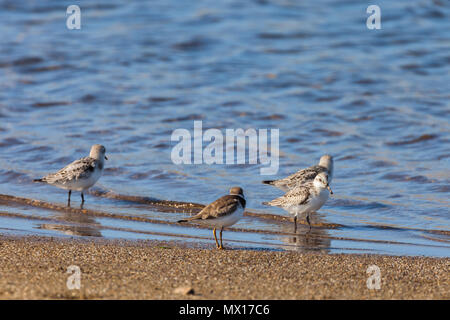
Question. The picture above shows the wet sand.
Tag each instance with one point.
(35, 268)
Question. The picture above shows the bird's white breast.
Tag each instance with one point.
(319, 200)
(314, 204)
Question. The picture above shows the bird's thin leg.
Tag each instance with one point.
(307, 220)
(82, 200)
(215, 238)
(68, 199)
(295, 224)
(221, 244)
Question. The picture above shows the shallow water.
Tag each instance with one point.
(377, 100)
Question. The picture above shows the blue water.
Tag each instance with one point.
(377, 100)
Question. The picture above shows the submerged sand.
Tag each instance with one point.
(36, 268)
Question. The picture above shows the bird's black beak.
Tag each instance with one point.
(106, 158)
(329, 189)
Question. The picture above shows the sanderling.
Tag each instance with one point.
(305, 198)
(305, 175)
(81, 174)
(223, 212)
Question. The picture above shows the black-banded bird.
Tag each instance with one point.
(81, 174)
(304, 175)
(221, 213)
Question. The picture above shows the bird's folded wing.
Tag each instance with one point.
(221, 207)
(305, 174)
(78, 169)
(299, 195)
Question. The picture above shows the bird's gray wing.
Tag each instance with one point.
(79, 169)
(300, 177)
(221, 207)
(298, 195)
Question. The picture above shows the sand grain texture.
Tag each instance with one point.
(35, 268)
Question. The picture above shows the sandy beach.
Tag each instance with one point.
(36, 268)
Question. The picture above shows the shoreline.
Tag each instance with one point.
(35, 267)
(74, 221)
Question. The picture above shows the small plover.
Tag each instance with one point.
(81, 174)
(304, 199)
(221, 213)
(304, 175)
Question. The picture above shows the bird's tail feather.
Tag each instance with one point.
(273, 203)
(189, 219)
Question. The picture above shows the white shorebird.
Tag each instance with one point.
(304, 175)
(304, 199)
(81, 174)
(221, 213)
